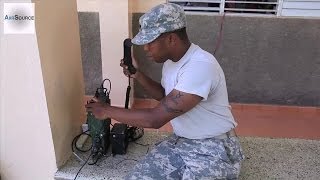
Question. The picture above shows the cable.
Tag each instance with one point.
(74, 142)
(135, 133)
(82, 166)
(102, 85)
(141, 144)
(95, 162)
(220, 34)
(96, 155)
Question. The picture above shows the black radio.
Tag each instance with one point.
(119, 138)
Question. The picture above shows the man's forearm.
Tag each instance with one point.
(145, 118)
(153, 88)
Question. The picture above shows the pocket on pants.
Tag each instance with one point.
(233, 149)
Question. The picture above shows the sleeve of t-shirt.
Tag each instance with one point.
(198, 78)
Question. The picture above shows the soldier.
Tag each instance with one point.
(193, 97)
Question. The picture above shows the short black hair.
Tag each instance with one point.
(181, 33)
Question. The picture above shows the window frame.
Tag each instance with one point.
(279, 9)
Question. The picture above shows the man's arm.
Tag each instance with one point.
(152, 87)
(174, 104)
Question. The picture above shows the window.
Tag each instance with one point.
(262, 7)
(199, 5)
(251, 6)
(230, 6)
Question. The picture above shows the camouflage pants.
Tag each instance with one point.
(181, 158)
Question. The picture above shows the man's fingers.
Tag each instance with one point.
(122, 63)
(124, 66)
(91, 103)
(88, 106)
(126, 72)
(95, 99)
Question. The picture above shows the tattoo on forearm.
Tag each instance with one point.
(169, 109)
(174, 99)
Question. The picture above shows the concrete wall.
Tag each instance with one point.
(266, 60)
(26, 149)
(89, 26)
(59, 46)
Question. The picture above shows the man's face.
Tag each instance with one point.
(157, 50)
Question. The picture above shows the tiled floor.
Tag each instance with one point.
(266, 120)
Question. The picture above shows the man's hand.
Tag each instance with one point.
(126, 70)
(98, 109)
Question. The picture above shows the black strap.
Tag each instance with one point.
(127, 95)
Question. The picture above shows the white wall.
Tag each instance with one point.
(87, 5)
(60, 54)
(41, 86)
(304, 8)
(26, 150)
(114, 28)
(142, 6)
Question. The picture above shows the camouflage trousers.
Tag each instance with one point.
(181, 158)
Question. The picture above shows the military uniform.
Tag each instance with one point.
(204, 144)
(181, 158)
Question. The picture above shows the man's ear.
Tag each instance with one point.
(172, 38)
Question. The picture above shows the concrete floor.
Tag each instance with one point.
(265, 159)
(280, 159)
